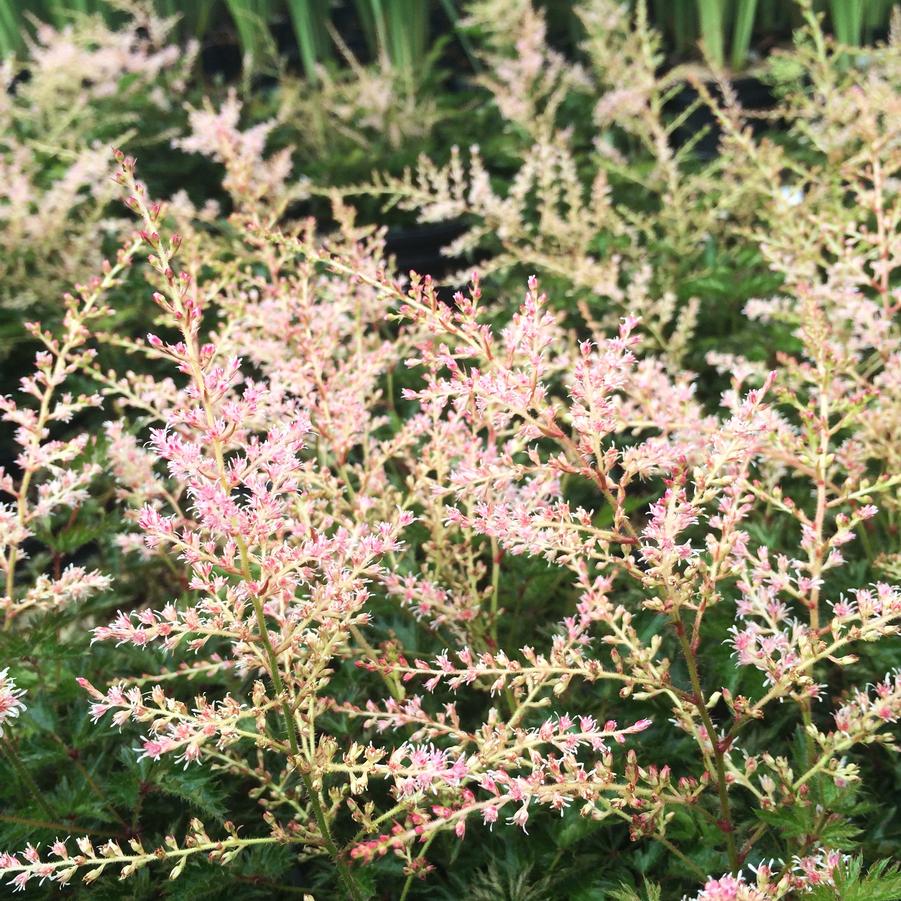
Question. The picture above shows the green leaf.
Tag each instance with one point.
(42, 716)
(652, 892)
(71, 538)
(574, 829)
(198, 788)
(789, 822)
(881, 883)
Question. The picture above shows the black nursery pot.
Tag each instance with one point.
(754, 96)
(418, 247)
(221, 59)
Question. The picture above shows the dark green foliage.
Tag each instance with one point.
(881, 882)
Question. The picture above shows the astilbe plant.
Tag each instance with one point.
(360, 108)
(704, 473)
(77, 90)
(294, 501)
(598, 182)
(53, 475)
(603, 199)
(10, 698)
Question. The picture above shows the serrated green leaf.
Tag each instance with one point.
(199, 788)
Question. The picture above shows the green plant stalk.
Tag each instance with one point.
(495, 586)
(407, 22)
(344, 873)
(301, 18)
(91, 782)
(409, 881)
(275, 675)
(685, 25)
(710, 13)
(722, 786)
(453, 16)
(368, 12)
(689, 863)
(308, 18)
(742, 30)
(878, 14)
(25, 777)
(195, 17)
(56, 827)
(10, 29)
(350, 883)
(847, 21)
(251, 18)
(159, 854)
(397, 32)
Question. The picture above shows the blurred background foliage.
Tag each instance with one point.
(733, 33)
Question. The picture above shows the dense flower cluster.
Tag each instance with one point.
(344, 485)
(771, 882)
(10, 699)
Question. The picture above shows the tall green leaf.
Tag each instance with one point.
(309, 17)
(742, 30)
(710, 13)
(847, 21)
